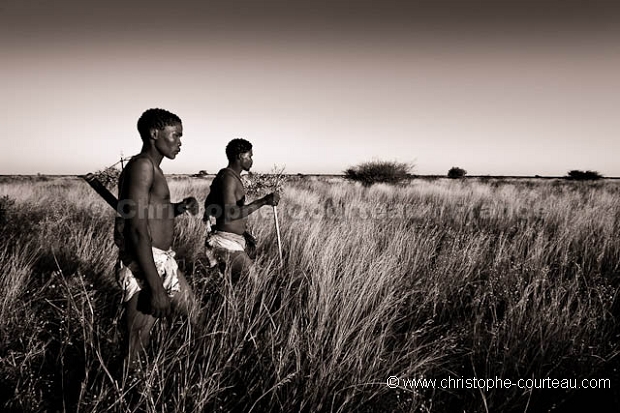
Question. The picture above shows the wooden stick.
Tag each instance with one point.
(275, 217)
(101, 190)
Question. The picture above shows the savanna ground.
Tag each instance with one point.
(433, 279)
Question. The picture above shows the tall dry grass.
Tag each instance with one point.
(515, 279)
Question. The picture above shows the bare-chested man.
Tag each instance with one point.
(147, 271)
(226, 243)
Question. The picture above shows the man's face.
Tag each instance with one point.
(246, 160)
(168, 140)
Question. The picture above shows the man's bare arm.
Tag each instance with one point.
(232, 211)
(140, 179)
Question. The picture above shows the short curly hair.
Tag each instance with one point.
(236, 147)
(155, 118)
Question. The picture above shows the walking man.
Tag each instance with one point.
(152, 284)
(227, 244)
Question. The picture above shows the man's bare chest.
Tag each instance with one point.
(159, 192)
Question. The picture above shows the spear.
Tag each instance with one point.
(279, 178)
(275, 217)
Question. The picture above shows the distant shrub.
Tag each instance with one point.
(373, 172)
(577, 175)
(456, 172)
(109, 176)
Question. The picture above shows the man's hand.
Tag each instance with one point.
(188, 204)
(272, 199)
(191, 205)
(160, 304)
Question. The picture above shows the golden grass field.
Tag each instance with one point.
(484, 278)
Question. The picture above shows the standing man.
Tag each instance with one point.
(147, 272)
(226, 245)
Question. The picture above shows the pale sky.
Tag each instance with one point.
(494, 87)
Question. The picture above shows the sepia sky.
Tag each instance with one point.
(495, 87)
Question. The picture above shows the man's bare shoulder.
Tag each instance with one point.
(138, 170)
(140, 160)
(229, 176)
(231, 182)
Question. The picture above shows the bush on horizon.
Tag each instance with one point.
(578, 175)
(373, 172)
(456, 172)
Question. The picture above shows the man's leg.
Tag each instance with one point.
(139, 326)
(140, 323)
(240, 264)
(185, 301)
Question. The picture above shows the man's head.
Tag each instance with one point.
(155, 119)
(240, 150)
(163, 129)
